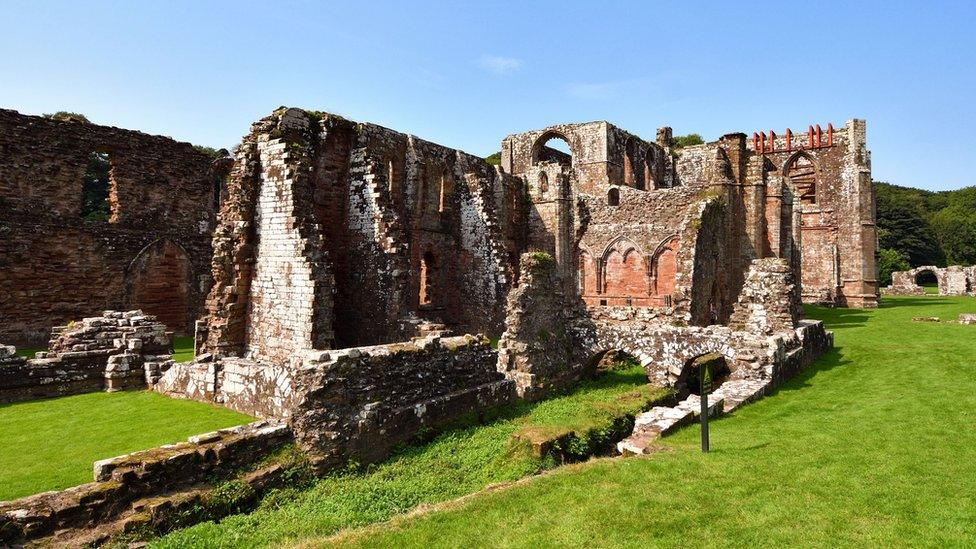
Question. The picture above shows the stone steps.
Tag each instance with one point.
(660, 420)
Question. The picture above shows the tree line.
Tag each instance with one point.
(919, 227)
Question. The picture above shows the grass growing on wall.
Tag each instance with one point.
(51, 444)
(455, 463)
(873, 446)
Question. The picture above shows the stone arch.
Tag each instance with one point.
(664, 353)
(688, 381)
(802, 172)
(624, 270)
(159, 280)
(919, 271)
(445, 199)
(613, 197)
(650, 175)
(664, 267)
(541, 152)
(586, 275)
(543, 184)
(429, 274)
(633, 175)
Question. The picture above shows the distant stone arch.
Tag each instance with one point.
(159, 280)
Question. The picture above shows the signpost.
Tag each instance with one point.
(706, 386)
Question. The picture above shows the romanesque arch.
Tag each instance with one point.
(546, 150)
(664, 353)
(159, 280)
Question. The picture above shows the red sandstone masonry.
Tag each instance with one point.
(55, 266)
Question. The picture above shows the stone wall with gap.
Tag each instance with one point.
(55, 265)
(115, 351)
(952, 280)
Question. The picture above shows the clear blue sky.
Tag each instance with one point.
(467, 74)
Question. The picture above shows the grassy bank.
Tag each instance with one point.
(873, 446)
(50, 444)
(456, 463)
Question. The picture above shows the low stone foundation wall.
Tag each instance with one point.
(115, 351)
(252, 387)
(123, 481)
(355, 403)
(359, 403)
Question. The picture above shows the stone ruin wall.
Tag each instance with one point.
(827, 178)
(339, 234)
(114, 351)
(154, 253)
(952, 280)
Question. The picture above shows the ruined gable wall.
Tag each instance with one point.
(56, 266)
(838, 236)
(354, 208)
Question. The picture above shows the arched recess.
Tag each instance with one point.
(586, 272)
(664, 269)
(633, 168)
(552, 147)
(159, 280)
(624, 272)
(926, 277)
(803, 175)
(429, 278)
(543, 185)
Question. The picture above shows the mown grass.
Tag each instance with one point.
(873, 446)
(183, 348)
(50, 444)
(28, 352)
(458, 462)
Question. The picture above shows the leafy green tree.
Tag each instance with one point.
(687, 140)
(890, 261)
(95, 188)
(494, 159)
(903, 225)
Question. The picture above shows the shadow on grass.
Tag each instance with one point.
(830, 360)
(921, 301)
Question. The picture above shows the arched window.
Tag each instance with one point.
(95, 188)
(613, 197)
(543, 184)
(428, 277)
(552, 147)
(391, 179)
(447, 192)
(802, 174)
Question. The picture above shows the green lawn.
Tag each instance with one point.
(874, 446)
(456, 463)
(183, 348)
(28, 352)
(51, 444)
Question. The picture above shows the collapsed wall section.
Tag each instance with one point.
(338, 234)
(114, 351)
